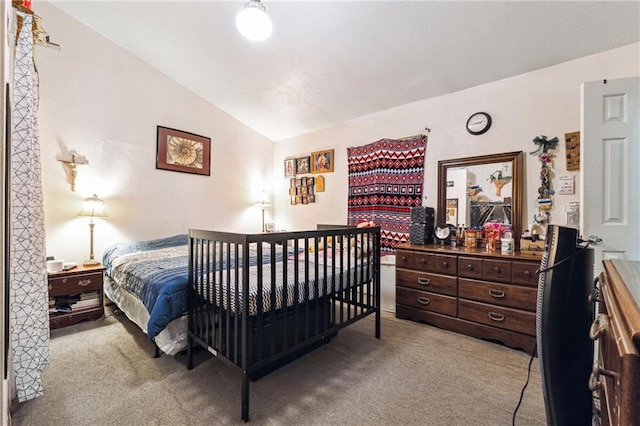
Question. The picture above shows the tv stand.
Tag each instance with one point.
(616, 373)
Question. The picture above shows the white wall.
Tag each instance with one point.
(544, 102)
(105, 104)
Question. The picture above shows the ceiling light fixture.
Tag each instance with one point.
(253, 22)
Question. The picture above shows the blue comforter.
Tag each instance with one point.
(157, 272)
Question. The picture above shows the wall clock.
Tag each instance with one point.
(478, 123)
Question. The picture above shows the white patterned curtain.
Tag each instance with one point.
(29, 317)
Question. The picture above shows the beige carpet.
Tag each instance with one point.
(103, 373)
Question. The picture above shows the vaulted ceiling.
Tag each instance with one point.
(331, 61)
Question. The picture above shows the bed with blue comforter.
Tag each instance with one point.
(148, 280)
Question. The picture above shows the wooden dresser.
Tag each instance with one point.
(616, 373)
(471, 291)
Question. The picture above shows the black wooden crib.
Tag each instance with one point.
(258, 301)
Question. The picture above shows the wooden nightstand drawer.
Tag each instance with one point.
(75, 295)
(426, 301)
(73, 284)
(427, 282)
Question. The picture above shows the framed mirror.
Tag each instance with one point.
(485, 188)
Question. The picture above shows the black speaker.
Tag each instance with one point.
(423, 215)
(420, 233)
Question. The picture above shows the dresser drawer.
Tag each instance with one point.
(445, 264)
(74, 284)
(414, 260)
(427, 282)
(498, 294)
(497, 316)
(470, 267)
(525, 273)
(426, 301)
(497, 270)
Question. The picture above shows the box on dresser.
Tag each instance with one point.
(488, 295)
(75, 295)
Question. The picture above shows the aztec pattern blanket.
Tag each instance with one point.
(385, 181)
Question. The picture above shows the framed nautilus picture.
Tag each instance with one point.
(183, 152)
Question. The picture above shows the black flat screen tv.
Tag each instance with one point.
(564, 314)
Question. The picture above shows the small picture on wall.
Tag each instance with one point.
(309, 181)
(322, 161)
(289, 167)
(302, 165)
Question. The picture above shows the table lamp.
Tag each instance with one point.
(93, 207)
(263, 203)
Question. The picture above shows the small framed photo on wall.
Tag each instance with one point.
(289, 167)
(302, 165)
(322, 161)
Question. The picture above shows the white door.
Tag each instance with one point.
(610, 168)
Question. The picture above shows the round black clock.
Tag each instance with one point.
(478, 123)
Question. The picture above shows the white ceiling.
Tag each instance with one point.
(331, 61)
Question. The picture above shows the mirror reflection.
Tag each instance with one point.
(479, 194)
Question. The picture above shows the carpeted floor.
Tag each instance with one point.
(103, 373)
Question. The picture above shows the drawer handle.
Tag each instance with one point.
(423, 300)
(496, 293)
(496, 316)
(470, 267)
(496, 270)
(594, 377)
(84, 283)
(527, 273)
(599, 326)
(445, 263)
(50, 287)
(423, 261)
(404, 259)
(64, 280)
(424, 281)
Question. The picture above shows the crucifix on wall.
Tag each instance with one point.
(71, 166)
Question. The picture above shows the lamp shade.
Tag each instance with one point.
(253, 22)
(263, 201)
(93, 207)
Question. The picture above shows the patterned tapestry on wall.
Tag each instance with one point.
(29, 305)
(385, 181)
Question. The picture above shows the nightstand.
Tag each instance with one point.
(75, 295)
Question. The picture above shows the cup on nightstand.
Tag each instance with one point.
(55, 265)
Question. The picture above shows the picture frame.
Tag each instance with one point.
(303, 165)
(322, 161)
(289, 167)
(452, 210)
(270, 227)
(184, 152)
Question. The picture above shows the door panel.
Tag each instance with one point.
(610, 171)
